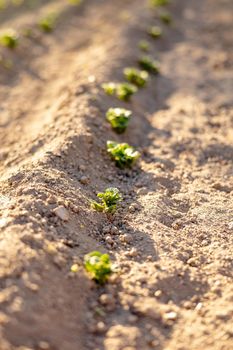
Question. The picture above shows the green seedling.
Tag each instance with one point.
(47, 24)
(110, 88)
(99, 266)
(3, 4)
(124, 91)
(159, 2)
(149, 64)
(165, 17)
(144, 45)
(136, 77)
(9, 39)
(155, 32)
(75, 2)
(118, 118)
(109, 200)
(123, 154)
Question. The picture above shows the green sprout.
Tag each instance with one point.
(125, 90)
(165, 17)
(99, 266)
(109, 88)
(118, 118)
(159, 2)
(123, 154)
(75, 2)
(109, 200)
(144, 45)
(9, 39)
(155, 32)
(149, 64)
(136, 77)
(47, 23)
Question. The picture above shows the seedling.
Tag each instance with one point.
(109, 200)
(9, 39)
(144, 45)
(109, 88)
(99, 266)
(159, 2)
(136, 77)
(149, 64)
(155, 32)
(75, 2)
(123, 154)
(125, 90)
(118, 118)
(165, 17)
(47, 24)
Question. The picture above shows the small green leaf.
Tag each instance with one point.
(118, 118)
(136, 77)
(125, 90)
(155, 32)
(9, 39)
(165, 17)
(159, 2)
(109, 200)
(149, 64)
(47, 23)
(144, 45)
(123, 154)
(99, 266)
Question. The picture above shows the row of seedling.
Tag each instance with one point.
(10, 38)
(96, 264)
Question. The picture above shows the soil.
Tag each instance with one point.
(172, 236)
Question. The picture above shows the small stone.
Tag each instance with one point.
(230, 225)
(101, 327)
(158, 293)
(109, 240)
(82, 167)
(51, 200)
(126, 238)
(61, 213)
(170, 316)
(84, 180)
(133, 253)
(193, 262)
(108, 301)
(43, 345)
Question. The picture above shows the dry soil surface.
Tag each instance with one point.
(172, 236)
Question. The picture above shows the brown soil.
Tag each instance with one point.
(172, 237)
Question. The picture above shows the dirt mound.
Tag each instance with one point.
(172, 236)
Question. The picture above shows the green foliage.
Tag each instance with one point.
(47, 23)
(136, 77)
(159, 2)
(165, 17)
(9, 39)
(109, 200)
(109, 88)
(118, 118)
(123, 154)
(144, 45)
(123, 91)
(149, 64)
(155, 32)
(75, 2)
(99, 266)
